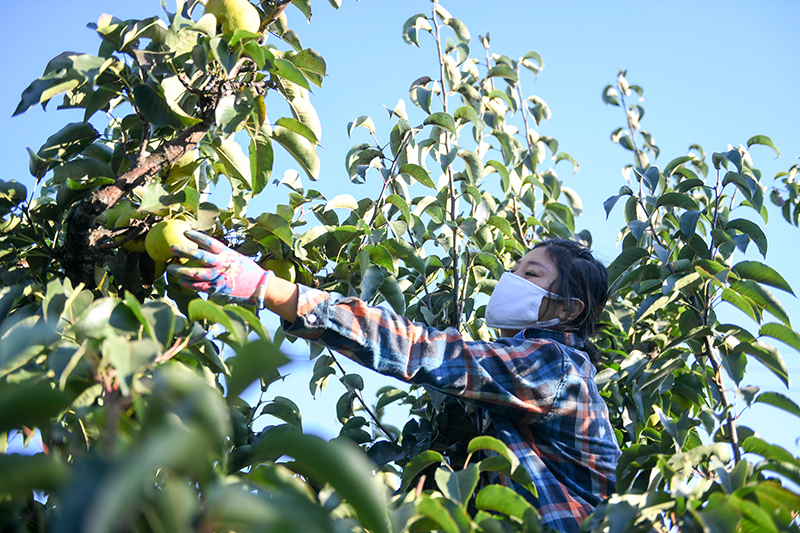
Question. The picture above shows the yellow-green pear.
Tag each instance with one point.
(234, 15)
(165, 234)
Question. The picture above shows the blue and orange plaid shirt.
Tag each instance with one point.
(537, 387)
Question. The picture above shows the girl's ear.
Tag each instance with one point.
(568, 313)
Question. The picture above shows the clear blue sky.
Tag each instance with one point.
(714, 73)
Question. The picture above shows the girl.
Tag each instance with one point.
(536, 382)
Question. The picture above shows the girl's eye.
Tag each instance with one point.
(530, 274)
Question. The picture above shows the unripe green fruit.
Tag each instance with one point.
(113, 214)
(234, 15)
(165, 234)
(134, 245)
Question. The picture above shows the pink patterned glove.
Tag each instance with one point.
(224, 273)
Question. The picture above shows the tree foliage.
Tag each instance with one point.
(135, 387)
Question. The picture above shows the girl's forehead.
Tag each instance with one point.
(537, 256)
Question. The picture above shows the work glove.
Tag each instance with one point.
(223, 273)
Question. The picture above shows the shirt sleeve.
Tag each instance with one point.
(518, 378)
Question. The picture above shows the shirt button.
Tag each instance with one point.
(311, 319)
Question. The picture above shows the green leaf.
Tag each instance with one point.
(782, 333)
(371, 281)
(443, 120)
(766, 450)
(362, 121)
(285, 69)
(504, 500)
(253, 360)
(154, 107)
(419, 463)
(457, 486)
(753, 270)
(764, 140)
(766, 355)
(688, 223)
(200, 309)
(402, 205)
(406, 252)
(743, 304)
(474, 165)
(468, 113)
(623, 262)
(236, 163)
(232, 110)
(389, 396)
(340, 463)
(418, 173)
(780, 401)
(21, 474)
(276, 225)
(32, 405)
(505, 72)
(719, 516)
(412, 27)
(459, 28)
(22, 343)
(677, 200)
(494, 445)
(299, 128)
(439, 518)
(311, 64)
(675, 163)
(300, 148)
(499, 464)
(752, 230)
(69, 141)
(761, 297)
(342, 201)
(286, 410)
(262, 158)
(391, 292)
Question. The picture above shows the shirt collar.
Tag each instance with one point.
(564, 337)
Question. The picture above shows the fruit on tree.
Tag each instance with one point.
(111, 215)
(134, 245)
(282, 268)
(165, 234)
(234, 15)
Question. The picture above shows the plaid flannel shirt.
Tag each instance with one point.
(537, 387)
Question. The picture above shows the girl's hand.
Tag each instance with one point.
(223, 272)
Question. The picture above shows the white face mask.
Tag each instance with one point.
(515, 304)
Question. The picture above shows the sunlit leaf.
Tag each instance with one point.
(300, 148)
(780, 401)
(419, 463)
(503, 71)
(502, 499)
(458, 486)
(782, 333)
(418, 173)
(443, 120)
(623, 262)
(763, 140)
(761, 273)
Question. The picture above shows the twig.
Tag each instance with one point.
(358, 395)
(455, 320)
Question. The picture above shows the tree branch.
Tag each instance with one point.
(78, 255)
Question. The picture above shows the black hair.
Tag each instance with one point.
(581, 276)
